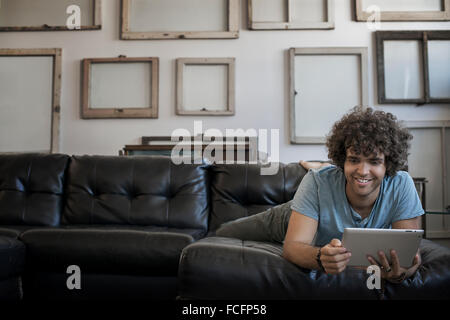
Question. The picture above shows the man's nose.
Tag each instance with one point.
(363, 168)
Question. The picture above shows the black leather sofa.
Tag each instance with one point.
(143, 228)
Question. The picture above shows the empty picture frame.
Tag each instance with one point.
(429, 157)
(401, 10)
(120, 88)
(290, 14)
(48, 15)
(205, 86)
(325, 83)
(30, 91)
(180, 19)
(412, 66)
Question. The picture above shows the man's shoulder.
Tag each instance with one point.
(399, 179)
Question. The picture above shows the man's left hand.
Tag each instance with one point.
(394, 272)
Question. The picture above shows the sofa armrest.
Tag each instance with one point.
(434, 254)
(432, 279)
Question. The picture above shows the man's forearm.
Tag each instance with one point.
(301, 254)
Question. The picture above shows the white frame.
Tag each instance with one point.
(97, 19)
(232, 32)
(444, 15)
(289, 25)
(435, 124)
(362, 52)
(443, 126)
(182, 62)
(56, 54)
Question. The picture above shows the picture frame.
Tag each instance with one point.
(219, 19)
(38, 70)
(132, 82)
(413, 51)
(268, 15)
(431, 137)
(19, 16)
(422, 14)
(323, 77)
(242, 149)
(198, 92)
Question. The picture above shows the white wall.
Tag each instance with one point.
(261, 78)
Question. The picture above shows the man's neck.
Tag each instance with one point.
(362, 205)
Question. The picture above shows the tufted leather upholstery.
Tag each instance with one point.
(240, 190)
(31, 189)
(136, 191)
(124, 217)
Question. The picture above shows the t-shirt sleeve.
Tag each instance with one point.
(409, 205)
(306, 200)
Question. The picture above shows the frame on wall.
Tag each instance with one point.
(54, 84)
(405, 15)
(435, 136)
(114, 86)
(309, 98)
(130, 32)
(423, 66)
(95, 15)
(243, 149)
(288, 16)
(204, 85)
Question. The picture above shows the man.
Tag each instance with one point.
(365, 189)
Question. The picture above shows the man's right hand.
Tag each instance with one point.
(334, 257)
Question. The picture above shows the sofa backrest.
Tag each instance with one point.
(31, 188)
(240, 190)
(136, 190)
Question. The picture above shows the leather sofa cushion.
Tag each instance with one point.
(241, 190)
(194, 233)
(12, 257)
(105, 251)
(31, 188)
(257, 270)
(136, 190)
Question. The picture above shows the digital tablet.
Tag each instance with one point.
(362, 242)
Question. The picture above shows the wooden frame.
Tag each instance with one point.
(231, 32)
(56, 86)
(97, 19)
(163, 145)
(88, 112)
(443, 15)
(291, 24)
(361, 52)
(423, 37)
(180, 100)
(442, 126)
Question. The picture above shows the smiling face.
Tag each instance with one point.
(364, 176)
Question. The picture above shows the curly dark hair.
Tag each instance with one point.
(368, 131)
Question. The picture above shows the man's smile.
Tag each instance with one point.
(362, 181)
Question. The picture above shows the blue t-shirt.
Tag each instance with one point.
(321, 196)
